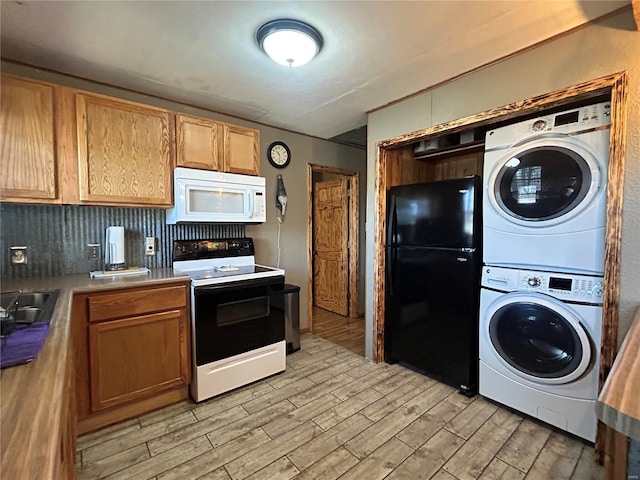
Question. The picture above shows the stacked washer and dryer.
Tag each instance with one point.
(544, 218)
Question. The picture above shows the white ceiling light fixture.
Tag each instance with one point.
(291, 43)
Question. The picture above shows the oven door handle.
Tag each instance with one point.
(239, 285)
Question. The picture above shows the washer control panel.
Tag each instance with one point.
(565, 286)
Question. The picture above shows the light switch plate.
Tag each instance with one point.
(93, 251)
(150, 245)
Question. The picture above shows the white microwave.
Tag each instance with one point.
(202, 196)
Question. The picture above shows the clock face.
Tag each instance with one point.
(279, 154)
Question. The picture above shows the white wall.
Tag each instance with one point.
(304, 150)
(595, 51)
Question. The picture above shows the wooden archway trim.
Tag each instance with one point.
(388, 151)
(354, 232)
(582, 91)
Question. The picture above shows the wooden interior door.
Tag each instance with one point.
(330, 253)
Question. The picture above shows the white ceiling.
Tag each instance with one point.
(205, 53)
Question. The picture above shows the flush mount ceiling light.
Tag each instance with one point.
(291, 43)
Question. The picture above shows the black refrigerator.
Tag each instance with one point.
(432, 282)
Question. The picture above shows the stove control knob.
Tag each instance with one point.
(194, 247)
(533, 282)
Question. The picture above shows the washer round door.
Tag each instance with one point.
(544, 182)
(539, 338)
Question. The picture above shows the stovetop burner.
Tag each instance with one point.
(218, 261)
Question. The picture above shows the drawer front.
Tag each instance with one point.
(135, 302)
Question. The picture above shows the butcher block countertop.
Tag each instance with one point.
(33, 396)
(618, 404)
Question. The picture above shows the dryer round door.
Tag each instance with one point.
(544, 182)
(539, 338)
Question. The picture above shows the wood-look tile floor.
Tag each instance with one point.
(344, 331)
(331, 415)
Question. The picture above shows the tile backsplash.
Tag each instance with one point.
(57, 236)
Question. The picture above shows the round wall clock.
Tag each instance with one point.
(279, 154)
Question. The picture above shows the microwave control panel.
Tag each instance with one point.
(259, 204)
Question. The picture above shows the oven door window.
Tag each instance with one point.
(242, 311)
(235, 318)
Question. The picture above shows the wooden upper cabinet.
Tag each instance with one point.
(63, 145)
(124, 152)
(209, 145)
(196, 142)
(28, 167)
(241, 150)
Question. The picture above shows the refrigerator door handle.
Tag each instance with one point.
(392, 222)
(390, 264)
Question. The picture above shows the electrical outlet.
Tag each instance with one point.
(18, 255)
(150, 245)
(93, 251)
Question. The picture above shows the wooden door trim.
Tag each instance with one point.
(354, 236)
(615, 85)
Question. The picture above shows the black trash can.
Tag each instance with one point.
(291, 305)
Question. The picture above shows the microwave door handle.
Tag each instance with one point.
(247, 207)
(185, 197)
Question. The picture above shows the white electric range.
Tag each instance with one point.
(237, 329)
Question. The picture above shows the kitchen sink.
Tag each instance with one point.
(33, 300)
(28, 315)
(26, 308)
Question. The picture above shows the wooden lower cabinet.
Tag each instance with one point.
(130, 363)
(135, 357)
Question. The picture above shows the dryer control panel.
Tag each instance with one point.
(568, 122)
(565, 286)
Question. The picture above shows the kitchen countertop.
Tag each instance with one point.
(32, 395)
(81, 282)
(618, 404)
